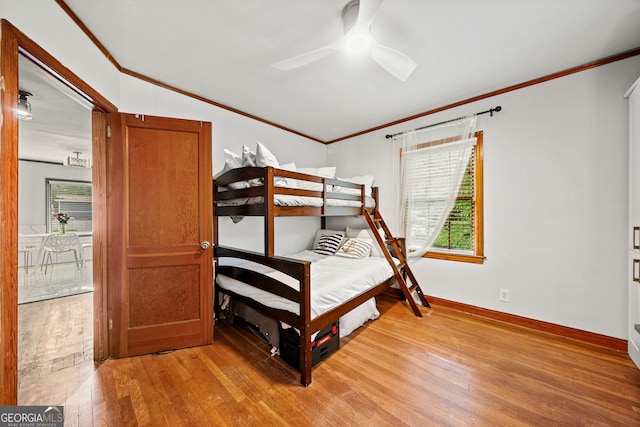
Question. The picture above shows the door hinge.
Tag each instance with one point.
(110, 324)
(108, 131)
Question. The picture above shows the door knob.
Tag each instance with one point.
(205, 245)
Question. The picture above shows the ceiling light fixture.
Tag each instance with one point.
(76, 161)
(358, 43)
(23, 111)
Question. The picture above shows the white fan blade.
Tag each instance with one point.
(367, 12)
(306, 58)
(395, 62)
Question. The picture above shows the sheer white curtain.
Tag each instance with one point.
(429, 166)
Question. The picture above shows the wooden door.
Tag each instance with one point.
(634, 225)
(160, 272)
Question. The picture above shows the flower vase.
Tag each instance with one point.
(63, 228)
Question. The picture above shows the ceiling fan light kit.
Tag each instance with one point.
(357, 17)
(358, 43)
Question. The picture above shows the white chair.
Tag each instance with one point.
(88, 245)
(27, 245)
(58, 243)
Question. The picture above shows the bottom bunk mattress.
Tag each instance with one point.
(334, 280)
(270, 329)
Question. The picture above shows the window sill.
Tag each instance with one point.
(475, 259)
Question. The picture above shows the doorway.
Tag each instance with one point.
(55, 275)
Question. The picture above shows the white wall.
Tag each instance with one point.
(556, 182)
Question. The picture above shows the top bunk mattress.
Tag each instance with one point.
(299, 201)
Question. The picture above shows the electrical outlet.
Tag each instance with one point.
(504, 295)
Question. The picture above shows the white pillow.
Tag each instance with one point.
(281, 181)
(356, 248)
(365, 233)
(264, 157)
(232, 160)
(248, 156)
(366, 180)
(325, 172)
(328, 244)
(321, 232)
(225, 168)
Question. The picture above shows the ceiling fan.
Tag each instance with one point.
(357, 16)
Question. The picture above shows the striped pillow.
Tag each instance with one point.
(328, 244)
(355, 248)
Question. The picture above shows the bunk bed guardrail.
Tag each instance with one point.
(267, 182)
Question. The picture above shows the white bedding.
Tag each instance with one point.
(287, 200)
(334, 280)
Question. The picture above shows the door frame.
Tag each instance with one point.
(13, 43)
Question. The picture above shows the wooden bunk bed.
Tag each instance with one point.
(256, 191)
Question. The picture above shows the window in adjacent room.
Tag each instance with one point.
(72, 198)
(461, 237)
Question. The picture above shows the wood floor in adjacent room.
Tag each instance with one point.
(446, 369)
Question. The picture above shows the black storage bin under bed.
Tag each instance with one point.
(326, 342)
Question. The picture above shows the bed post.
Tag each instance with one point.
(215, 216)
(305, 327)
(375, 195)
(216, 307)
(269, 246)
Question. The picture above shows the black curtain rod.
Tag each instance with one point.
(490, 111)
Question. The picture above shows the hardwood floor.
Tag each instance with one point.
(55, 355)
(446, 369)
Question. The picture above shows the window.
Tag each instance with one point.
(72, 198)
(461, 237)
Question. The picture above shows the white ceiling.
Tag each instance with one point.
(61, 123)
(222, 51)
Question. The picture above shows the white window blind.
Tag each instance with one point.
(429, 175)
(72, 198)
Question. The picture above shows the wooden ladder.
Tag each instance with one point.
(401, 271)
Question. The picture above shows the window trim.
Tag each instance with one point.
(478, 256)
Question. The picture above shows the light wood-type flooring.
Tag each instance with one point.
(55, 281)
(446, 369)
